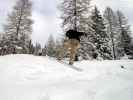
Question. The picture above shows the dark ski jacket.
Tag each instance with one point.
(73, 34)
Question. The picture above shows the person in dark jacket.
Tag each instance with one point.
(71, 44)
(72, 34)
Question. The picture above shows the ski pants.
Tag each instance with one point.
(71, 46)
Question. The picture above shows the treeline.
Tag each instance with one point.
(17, 30)
(16, 38)
(108, 34)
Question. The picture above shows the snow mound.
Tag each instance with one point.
(23, 68)
(28, 77)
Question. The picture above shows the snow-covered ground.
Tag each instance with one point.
(27, 77)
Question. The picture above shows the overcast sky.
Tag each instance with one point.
(46, 15)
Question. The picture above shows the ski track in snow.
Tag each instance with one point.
(27, 77)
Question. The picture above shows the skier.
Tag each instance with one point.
(71, 44)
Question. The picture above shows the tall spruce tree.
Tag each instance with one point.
(18, 28)
(76, 15)
(124, 44)
(31, 47)
(50, 47)
(58, 46)
(37, 49)
(111, 26)
(44, 49)
(101, 38)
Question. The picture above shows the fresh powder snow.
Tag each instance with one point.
(28, 77)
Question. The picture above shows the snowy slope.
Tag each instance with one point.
(27, 77)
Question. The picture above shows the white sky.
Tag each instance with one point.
(46, 15)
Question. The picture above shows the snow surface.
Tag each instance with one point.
(27, 77)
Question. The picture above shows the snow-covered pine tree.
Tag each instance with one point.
(44, 49)
(50, 47)
(111, 28)
(37, 49)
(76, 15)
(31, 47)
(58, 46)
(124, 44)
(101, 38)
(1, 44)
(18, 28)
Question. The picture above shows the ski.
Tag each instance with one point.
(71, 66)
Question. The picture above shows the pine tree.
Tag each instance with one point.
(18, 28)
(50, 47)
(111, 26)
(76, 15)
(37, 49)
(58, 46)
(101, 38)
(31, 47)
(1, 43)
(44, 51)
(87, 50)
(124, 44)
